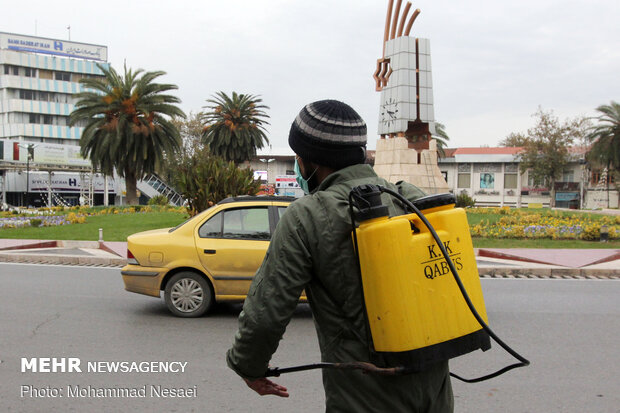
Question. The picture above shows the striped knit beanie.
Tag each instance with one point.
(329, 133)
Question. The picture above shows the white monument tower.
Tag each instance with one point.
(406, 151)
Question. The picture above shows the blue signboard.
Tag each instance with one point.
(54, 47)
(566, 196)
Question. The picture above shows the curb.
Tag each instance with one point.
(550, 273)
(485, 272)
(15, 257)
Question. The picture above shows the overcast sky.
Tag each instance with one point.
(494, 62)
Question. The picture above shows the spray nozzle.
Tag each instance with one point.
(367, 199)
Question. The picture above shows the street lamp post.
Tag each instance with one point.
(267, 161)
(29, 155)
(28, 179)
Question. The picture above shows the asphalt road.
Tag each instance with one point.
(569, 329)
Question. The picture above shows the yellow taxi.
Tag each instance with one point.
(210, 257)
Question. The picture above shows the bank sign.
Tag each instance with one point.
(67, 182)
(54, 47)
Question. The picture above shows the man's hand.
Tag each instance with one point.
(265, 386)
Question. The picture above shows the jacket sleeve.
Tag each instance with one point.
(272, 298)
(411, 192)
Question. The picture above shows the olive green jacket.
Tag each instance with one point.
(312, 249)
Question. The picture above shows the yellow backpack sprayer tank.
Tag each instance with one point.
(412, 302)
(416, 303)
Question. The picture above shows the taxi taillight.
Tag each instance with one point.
(131, 259)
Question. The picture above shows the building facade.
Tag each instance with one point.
(39, 78)
(492, 177)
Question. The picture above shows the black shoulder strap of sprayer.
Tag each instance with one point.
(360, 194)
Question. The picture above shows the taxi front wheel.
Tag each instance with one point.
(188, 294)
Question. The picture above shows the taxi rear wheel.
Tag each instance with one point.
(188, 294)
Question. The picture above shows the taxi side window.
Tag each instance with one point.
(246, 223)
(238, 223)
(212, 228)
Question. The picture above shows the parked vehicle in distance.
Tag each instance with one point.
(210, 257)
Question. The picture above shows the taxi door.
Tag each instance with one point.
(231, 246)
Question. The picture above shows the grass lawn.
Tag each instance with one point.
(115, 227)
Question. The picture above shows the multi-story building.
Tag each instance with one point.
(39, 78)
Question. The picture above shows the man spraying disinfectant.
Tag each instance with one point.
(364, 265)
(329, 138)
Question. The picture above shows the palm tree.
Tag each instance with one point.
(234, 127)
(605, 138)
(128, 126)
(441, 137)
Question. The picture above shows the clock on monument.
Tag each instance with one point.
(389, 111)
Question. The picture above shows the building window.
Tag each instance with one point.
(44, 96)
(567, 176)
(599, 178)
(532, 183)
(464, 181)
(15, 70)
(30, 72)
(7, 69)
(48, 119)
(510, 181)
(59, 97)
(487, 167)
(46, 74)
(64, 76)
(26, 94)
(445, 175)
(487, 180)
(33, 118)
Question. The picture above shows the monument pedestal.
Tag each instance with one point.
(396, 161)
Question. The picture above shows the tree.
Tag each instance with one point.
(127, 123)
(514, 140)
(204, 179)
(191, 132)
(190, 129)
(545, 152)
(605, 139)
(234, 127)
(441, 137)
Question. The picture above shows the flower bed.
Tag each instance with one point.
(43, 221)
(56, 216)
(517, 223)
